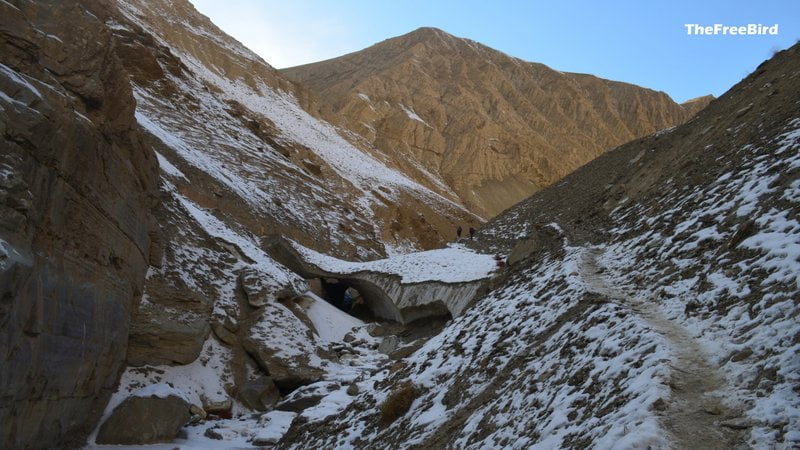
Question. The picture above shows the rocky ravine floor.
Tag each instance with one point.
(695, 416)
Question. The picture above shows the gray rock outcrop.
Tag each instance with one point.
(389, 344)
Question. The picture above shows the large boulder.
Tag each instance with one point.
(153, 414)
(260, 287)
(285, 347)
(169, 326)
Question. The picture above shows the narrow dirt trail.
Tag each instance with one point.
(693, 412)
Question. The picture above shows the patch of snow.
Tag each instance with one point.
(413, 115)
(19, 79)
(273, 425)
(333, 403)
(168, 168)
(9, 4)
(330, 322)
(160, 390)
(82, 117)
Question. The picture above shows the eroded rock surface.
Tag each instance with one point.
(77, 187)
(493, 127)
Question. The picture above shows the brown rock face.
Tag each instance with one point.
(495, 128)
(76, 190)
(170, 326)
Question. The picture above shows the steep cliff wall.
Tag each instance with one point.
(77, 187)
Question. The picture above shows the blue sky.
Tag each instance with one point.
(641, 42)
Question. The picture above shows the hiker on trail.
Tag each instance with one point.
(471, 233)
(458, 232)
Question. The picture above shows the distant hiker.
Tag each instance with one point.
(458, 232)
(350, 299)
(347, 301)
(471, 233)
(358, 299)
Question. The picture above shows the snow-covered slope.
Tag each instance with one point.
(664, 315)
(518, 370)
(238, 129)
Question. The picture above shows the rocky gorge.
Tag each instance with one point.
(198, 250)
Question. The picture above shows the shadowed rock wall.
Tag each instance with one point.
(76, 191)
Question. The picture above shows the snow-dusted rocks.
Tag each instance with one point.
(285, 347)
(169, 326)
(260, 287)
(152, 414)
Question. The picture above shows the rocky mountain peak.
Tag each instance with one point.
(493, 127)
(423, 34)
